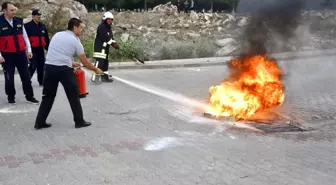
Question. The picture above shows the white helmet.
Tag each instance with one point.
(108, 15)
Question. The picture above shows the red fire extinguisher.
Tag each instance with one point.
(80, 75)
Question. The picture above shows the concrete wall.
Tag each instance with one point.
(254, 5)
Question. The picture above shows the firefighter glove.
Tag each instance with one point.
(115, 45)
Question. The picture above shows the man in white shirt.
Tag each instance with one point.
(59, 69)
(14, 48)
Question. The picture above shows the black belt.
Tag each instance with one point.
(60, 68)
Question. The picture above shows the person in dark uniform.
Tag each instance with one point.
(59, 69)
(14, 44)
(103, 40)
(39, 40)
(186, 6)
(178, 6)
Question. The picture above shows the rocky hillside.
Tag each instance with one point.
(216, 34)
(56, 13)
(166, 34)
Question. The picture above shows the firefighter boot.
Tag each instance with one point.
(106, 78)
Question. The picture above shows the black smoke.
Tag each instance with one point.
(271, 26)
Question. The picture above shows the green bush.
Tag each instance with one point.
(88, 47)
(185, 49)
(156, 51)
(124, 53)
(206, 48)
(176, 50)
(127, 50)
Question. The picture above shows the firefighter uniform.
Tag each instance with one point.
(103, 40)
(13, 50)
(39, 40)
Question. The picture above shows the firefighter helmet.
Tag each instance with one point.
(108, 15)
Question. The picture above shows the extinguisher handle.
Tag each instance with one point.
(79, 67)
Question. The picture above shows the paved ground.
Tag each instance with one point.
(140, 138)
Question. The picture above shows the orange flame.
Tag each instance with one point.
(254, 85)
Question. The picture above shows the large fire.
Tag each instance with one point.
(254, 84)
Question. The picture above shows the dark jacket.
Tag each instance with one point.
(11, 38)
(103, 40)
(38, 35)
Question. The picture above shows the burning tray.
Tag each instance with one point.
(267, 125)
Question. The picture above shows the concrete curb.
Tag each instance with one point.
(215, 61)
(212, 61)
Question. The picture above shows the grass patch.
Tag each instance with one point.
(127, 50)
(185, 49)
(88, 47)
(156, 51)
(123, 54)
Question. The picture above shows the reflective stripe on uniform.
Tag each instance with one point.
(111, 41)
(99, 55)
(104, 46)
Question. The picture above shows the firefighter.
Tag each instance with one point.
(59, 69)
(14, 44)
(39, 40)
(103, 40)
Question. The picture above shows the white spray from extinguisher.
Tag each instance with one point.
(176, 97)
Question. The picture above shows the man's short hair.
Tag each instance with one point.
(4, 5)
(74, 22)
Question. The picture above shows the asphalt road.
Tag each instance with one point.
(140, 138)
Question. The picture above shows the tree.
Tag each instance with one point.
(132, 4)
(232, 3)
(99, 2)
(327, 3)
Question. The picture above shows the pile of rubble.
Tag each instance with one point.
(55, 13)
(168, 9)
(199, 23)
(318, 29)
(164, 23)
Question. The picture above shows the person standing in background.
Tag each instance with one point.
(39, 40)
(178, 6)
(192, 4)
(186, 6)
(102, 42)
(14, 48)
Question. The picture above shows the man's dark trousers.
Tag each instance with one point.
(37, 63)
(66, 76)
(20, 61)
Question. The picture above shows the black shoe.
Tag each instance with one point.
(84, 124)
(107, 81)
(11, 101)
(40, 126)
(107, 78)
(33, 100)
